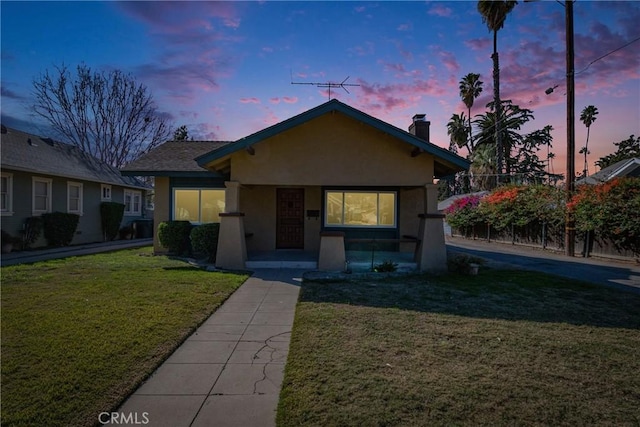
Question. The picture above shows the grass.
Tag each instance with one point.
(501, 348)
(80, 334)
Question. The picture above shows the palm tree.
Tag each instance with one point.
(494, 13)
(588, 116)
(458, 131)
(470, 89)
(483, 167)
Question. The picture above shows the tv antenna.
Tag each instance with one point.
(329, 85)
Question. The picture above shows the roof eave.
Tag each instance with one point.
(333, 105)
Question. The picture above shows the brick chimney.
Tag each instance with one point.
(420, 127)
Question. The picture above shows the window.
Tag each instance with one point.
(198, 205)
(360, 209)
(6, 193)
(74, 197)
(41, 195)
(132, 202)
(105, 192)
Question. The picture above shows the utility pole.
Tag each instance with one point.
(570, 231)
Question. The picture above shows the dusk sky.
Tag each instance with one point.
(225, 69)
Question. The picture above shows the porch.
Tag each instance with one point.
(357, 261)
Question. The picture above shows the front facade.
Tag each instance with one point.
(42, 176)
(328, 179)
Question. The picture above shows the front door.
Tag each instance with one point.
(290, 218)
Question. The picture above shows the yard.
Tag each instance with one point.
(79, 334)
(501, 348)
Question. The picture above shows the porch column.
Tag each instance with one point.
(332, 255)
(432, 255)
(232, 249)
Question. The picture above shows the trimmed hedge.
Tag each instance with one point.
(111, 214)
(59, 228)
(204, 239)
(174, 235)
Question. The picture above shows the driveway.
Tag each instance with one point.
(616, 274)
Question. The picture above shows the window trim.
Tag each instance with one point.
(102, 196)
(49, 183)
(200, 190)
(9, 210)
(80, 210)
(345, 191)
(133, 193)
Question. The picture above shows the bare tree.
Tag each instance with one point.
(106, 114)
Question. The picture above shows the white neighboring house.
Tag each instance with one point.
(629, 168)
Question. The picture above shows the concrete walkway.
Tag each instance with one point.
(230, 371)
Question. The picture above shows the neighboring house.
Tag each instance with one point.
(326, 178)
(40, 175)
(624, 168)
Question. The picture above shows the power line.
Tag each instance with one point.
(607, 54)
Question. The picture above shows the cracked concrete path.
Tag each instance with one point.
(229, 372)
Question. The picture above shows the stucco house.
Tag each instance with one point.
(330, 177)
(40, 175)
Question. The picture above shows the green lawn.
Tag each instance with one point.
(79, 334)
(501, 348)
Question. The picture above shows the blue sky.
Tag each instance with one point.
(225, 69)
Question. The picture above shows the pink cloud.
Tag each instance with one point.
(405, 27)
(449, 61)
(251, 100)
(478, 44)
(440, 9)
(285, 99)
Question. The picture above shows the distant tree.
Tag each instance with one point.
(181, 133)
(588, 116)
(106, 114)
(626, 149)
(494, 13)
(458, 131)
(521, 150)
(470, 89)
(483, 166)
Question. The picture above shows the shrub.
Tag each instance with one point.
(111, 214)
(611, 211)
(461, 263)
(385, 267)
(174, 235)
(464, 212)
(59, 228)
(204, 239)
(32, 230)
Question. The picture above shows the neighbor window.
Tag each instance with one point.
(41, 195)
(74, 197)
(132, 202)
(197, 205)
(105, 192)
(6, 193)
(360, 209)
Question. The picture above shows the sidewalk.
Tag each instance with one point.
(230, 371)
(25, 257)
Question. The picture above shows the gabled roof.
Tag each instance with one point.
(446, 161)
(175, 158)
(624, 168)
(25, 152)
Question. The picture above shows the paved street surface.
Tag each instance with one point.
(617, 274)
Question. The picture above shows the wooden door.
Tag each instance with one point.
(290, 218)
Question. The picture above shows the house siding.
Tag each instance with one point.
(332, 149)
(89, 226)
